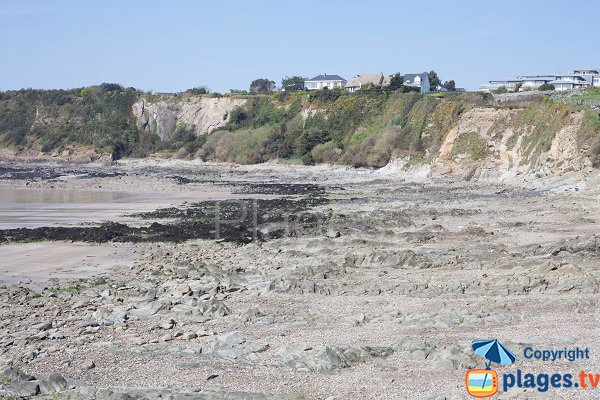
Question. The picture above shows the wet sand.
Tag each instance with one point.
(35, 263)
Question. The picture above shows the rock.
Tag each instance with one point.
(166, 337)
(24, 388)
(44, 326)
(88, 364)
(231, 338)
(55, 383)
(57, 336)
(15, 374)
(189, 336)
(332, 233)
(169, 324)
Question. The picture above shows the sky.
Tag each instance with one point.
(173, 45)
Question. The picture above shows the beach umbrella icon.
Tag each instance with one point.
(493, 351)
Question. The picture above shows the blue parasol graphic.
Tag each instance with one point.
(493, 351)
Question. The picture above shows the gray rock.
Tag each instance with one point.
(231, 338)
(15, 374)
(88, 364)
(24, 388)
(332, 233)
(189, 336)
(55, 383)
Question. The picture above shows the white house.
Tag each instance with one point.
(357, 82)
(325, 81)
(576, 79)
(420, 81)
(510, 84)
(570, 82)
(535, 81)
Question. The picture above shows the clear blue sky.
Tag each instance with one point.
(223, 44)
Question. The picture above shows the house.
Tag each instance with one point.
(535, 81)
(509, 84)
(570, 82)
(325, 81)
(357, 82)
(420, 81)
(577, 79)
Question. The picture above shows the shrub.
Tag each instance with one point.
(501, 90)
(470, 144)
(325, 153)
(546, 86)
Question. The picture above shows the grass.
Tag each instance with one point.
(589, 97)
(470, 144)
(547, 120)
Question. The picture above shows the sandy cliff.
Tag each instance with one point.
(205, 114)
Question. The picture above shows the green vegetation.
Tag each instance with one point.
(546, 119)
(97, 116)
(546, 86)
(293, 84)
(334, 126)
(449, 86)
(366, 128)
(262, 85)
(470, 144)
(434, 80)
(501, 90)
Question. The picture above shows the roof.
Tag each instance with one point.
(538, 77)
(507, 81)
(365, 79)
(326, 77)
(410, 78)
(581, 78)
(587, 71)
(562, 81)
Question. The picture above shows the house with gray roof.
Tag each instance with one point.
(420, 81)
(324, 81)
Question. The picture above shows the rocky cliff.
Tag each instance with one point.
(491, 144)
(161, 114)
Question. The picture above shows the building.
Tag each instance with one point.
(420, 81)
(357, 82)
(325, 81)
(571, 81)
(577, 79)
(509, 84)
(535, 81)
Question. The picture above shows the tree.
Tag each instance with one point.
(198, 90)
(450, 85)
(547, 86)
(262, 86)
(292, 84)
(434, 80)
(501, 90)
(396, 81)
(518, 87)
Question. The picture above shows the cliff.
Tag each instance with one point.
(161, 114)
(455, 135)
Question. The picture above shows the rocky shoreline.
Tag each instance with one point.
(382, 283)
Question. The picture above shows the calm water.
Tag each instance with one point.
(24, 207)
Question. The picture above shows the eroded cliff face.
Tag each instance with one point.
(203, 113)
(495, 145)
